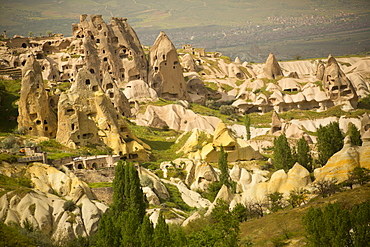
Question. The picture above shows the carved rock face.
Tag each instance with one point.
(272, 68)
(87, 116)
(112, 47)
(166, 76)
(336, 84)
(35, 113)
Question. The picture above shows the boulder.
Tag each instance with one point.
(158, 187)
(203, 175)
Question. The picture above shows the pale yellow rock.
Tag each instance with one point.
(343, 162)
(204, 174)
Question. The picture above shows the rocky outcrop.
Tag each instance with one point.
(192, 198)
(119, 100)
(236, 148)
(48, 179)
(87, 116)
(343, 162)
(113, 47)
(339, 89)
(272, 68)
(200, 175)
(176, 117)
(157, 186)
(280, 181)
(165, 70)
(46, 211)
(35, 114)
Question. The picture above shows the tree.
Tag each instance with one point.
(338, 226)
(326, 187)
(161, 236)
(328, 227)
(282, 156)
(240, 212)
(303, 154)
(145, 233)
(247, 124)
(49, 33)
(30, 34)
(276, 201)
(124, 222)
(354, 134)
(360, 221)
(329, 141)
(222, 165)
(297, 197)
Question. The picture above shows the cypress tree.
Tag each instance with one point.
(222, 165)
(355, 135)
(329, 141)
(120, 225)
(145, 233)
(303, 154)
(282, 156)
(161, 236)
(247, 124)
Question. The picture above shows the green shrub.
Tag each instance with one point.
(69, 206)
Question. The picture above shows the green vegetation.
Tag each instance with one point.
(69, 206)
(304, 157)
(283, 158)
(224, 168)
(338, 226)
(14, 184)
(226, 87)
(354, 134)
(247, 124)
(175, 199)
(9, 94)
(100, 185)
(364, 103)
(329, 141)
(211, 85)
(287, 224)
(239, 82)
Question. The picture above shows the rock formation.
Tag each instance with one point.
(45, 211)
(119, 100)
(118, 51)
(165, 70)
(237, 149)
(343, 162)
(339, 89)
(86, 116)
(176, 117)
(35, 113)
(280, 181)
(272, 68)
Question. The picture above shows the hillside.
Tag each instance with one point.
(287, 225)
(183, 140)
(248, 29)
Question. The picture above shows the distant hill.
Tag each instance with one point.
(248, 29)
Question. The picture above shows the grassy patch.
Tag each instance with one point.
(226, 87)
(100, 185)
(161, 141)
(9, 93)
(175, 199)
(239, 82)
(20, 185)
(211, 85)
